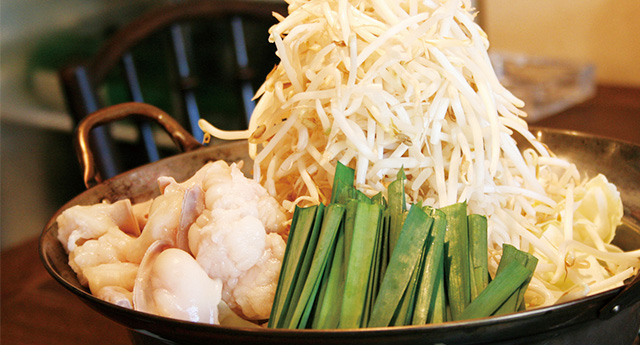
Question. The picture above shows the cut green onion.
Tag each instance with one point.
(327, 312)
(401, 266)
(509, 254)
(375, 277)
(365, 227)
(497, 291)
(405, 310)
(305, 266)
(349, 225)
(478, 256)
(326, 241)
(343, 188)
(433, 266)
(456, 262)
(397, 208)
(438, 306)
(368, 262)
(301, 244)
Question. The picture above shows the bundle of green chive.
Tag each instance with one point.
(368, 262)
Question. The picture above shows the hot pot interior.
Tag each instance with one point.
(576, 322)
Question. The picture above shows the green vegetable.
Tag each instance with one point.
(456, 261)
(509, 254)
(438, 305)
(368, 262)
(330, 297)
(405, 311)
(326, 241)
(349, 225)
(379, 199)
(365, 228)
(397, 208)
(384, 246)
(343, 188)
(478, 257)
(305, 267)
(377, 268)
(497, 291)
(432, 269)
(301, 243)
(401, 266)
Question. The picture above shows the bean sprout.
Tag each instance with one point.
(399, 84)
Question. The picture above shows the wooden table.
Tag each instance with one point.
(37, 310)
(614, 112)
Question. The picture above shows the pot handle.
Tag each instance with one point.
(626, 298)
(181, 137)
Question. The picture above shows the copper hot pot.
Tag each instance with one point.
(611, 317)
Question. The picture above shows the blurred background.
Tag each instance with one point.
(566, 46)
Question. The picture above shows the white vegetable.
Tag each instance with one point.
(382, 85)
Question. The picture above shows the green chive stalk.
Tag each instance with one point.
(456, 262)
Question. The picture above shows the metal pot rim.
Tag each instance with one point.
(553, 317)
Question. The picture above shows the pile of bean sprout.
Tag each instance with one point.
(383, 85)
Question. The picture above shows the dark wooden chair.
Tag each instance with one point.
(192, 59)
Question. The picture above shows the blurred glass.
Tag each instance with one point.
(547, 86)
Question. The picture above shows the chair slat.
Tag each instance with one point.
(101, 139)
(187, 80)
(242, 59)
(179, 19)
(135, 91)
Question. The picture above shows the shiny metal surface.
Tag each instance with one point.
(576, 322)
(181, 137)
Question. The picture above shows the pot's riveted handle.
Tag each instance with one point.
(629, 295)
(181, 137)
